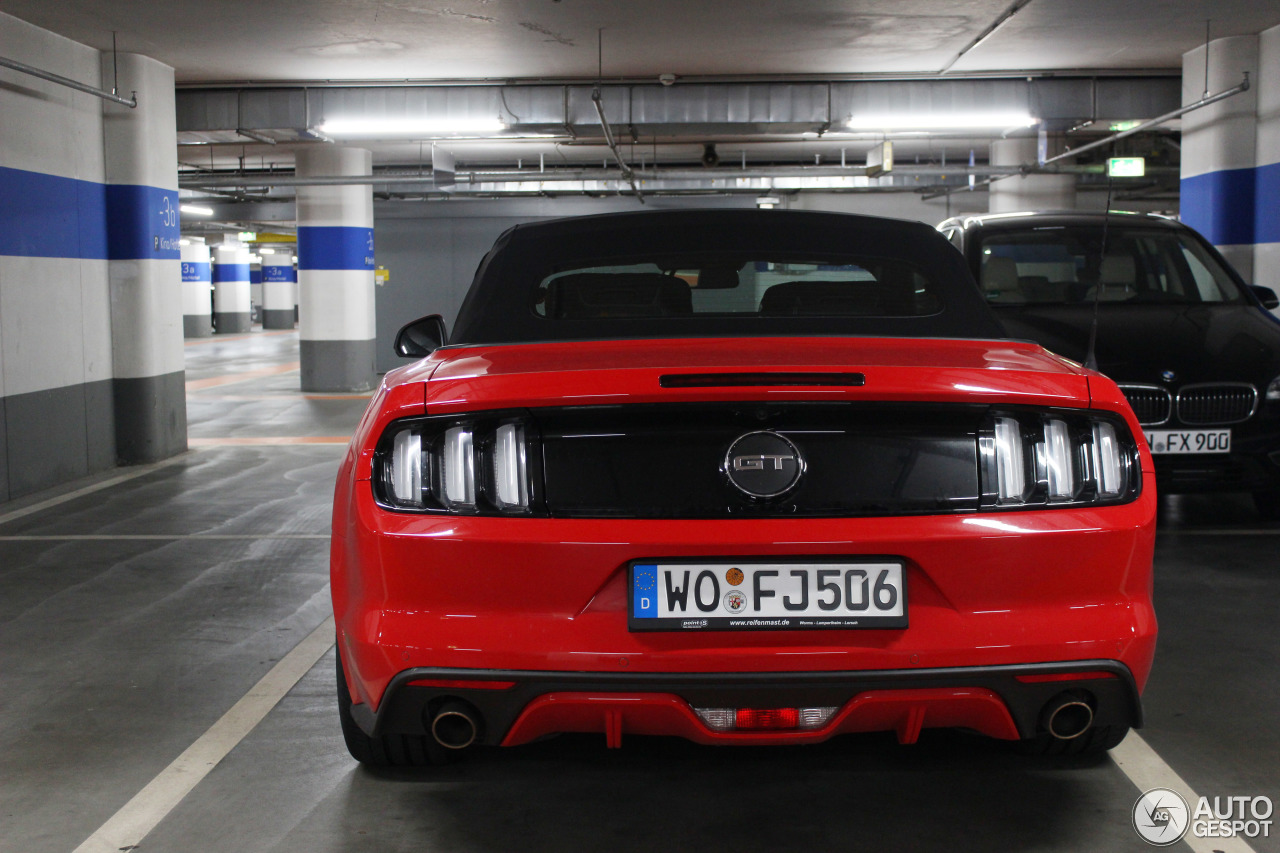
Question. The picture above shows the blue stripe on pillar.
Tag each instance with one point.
(45, 216)
(1267, 204)
(277, 273)
(335, 248)
(1220, 205)
(142, 222)
(255, 276)
(230, 272)
(195, 271)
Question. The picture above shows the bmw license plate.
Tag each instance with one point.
(1189, 440)
(693, 595)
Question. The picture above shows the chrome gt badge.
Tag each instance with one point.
(763, 464)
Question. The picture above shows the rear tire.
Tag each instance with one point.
(393, 750)
(1095, 741)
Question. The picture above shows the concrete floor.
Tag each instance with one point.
(136, 612)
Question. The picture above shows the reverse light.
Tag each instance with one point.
(765, 719)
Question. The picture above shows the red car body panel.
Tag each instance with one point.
(550, 594)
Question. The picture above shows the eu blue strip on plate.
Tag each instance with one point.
(645, 591)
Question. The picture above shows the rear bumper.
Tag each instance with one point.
(1234, 472)
(515, 707)
(1252, 465)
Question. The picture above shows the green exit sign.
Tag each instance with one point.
(1126, 167)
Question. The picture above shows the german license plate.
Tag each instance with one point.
(675, 595)
(1189, 440)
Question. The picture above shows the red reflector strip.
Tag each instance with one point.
(1065, 676)
(462, 684)
(767, 718)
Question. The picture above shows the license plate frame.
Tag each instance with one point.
(1185, 442)
(855, 577)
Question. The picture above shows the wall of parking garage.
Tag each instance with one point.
(1231, 152)
(90, 358)
(431, 251)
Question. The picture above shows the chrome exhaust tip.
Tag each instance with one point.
(1066, 717)
(455, 725)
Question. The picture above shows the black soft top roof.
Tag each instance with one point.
(499, 308)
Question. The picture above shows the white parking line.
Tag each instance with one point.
(1147, 770)
(128, 826)
(160, 537)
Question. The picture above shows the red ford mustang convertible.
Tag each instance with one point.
(743, 477)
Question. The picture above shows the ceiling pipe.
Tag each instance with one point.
(208, 181)
(1181, 111)
(255, 136)
(131, 103)
(613, 146)
(1115, 137)
(685, 79)
(999, 22)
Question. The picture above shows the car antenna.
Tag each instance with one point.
(1091, 355)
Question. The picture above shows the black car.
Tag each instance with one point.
(1191, 344)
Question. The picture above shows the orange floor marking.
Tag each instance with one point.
(215, 381)
(217, 339)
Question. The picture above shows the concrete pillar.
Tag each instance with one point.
(1220, 147)
(144, 270)
(335, 273)
(278, 280)
(1266, 253)
(231, 304)
(197, 308)
(1027, 192)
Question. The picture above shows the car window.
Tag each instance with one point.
(671, 287)
(1057, 265)
(721, 273)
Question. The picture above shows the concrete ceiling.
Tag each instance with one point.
(357, 40)
(235, 45)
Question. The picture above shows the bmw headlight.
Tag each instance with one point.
(474, 465)
(1273, 390)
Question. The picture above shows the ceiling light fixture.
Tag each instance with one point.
(410, 126)
(195, 210)
(935, 121)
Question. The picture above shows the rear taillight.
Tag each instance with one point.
(478, 465)
(1057, 457)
